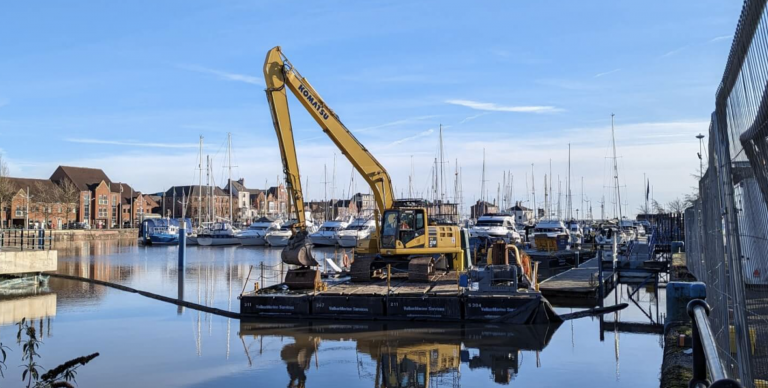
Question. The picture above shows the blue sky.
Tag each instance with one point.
(130, 86)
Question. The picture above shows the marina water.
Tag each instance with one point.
(146, 342)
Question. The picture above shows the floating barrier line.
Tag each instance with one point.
(183, 303)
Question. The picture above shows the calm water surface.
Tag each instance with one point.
(147, 343)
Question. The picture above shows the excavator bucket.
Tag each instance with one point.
(299, 251)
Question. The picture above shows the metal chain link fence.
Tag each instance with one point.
(727, 228)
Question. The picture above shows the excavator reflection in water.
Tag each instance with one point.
(406, 238)
(407, 355)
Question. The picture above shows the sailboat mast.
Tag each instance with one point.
(533, 194)
(229, 167)
(325, 190)
(200, 185)
(208, 183)
(482, 182)
(568, 198)
(615, 167)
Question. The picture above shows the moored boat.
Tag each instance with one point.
(256, 233)
(357, 230)
(326, 235)
(220, 233)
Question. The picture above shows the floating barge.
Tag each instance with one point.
(578, 283)
(442, 299)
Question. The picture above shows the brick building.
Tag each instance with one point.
(482, 207)
(38, 200)
(213, 199)
(99, 200)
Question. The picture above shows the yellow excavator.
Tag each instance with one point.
(405, 238)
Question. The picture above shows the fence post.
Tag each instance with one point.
(261, 279)
(22, 239)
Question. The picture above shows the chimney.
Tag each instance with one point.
(241, 181)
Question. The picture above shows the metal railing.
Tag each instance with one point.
(705, 354)
(26, 239)
(726, 233)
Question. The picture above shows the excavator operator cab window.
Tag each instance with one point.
(389, 229)
(403, 226)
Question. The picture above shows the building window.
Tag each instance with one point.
(19, 212)
(102, 212)
(58, 208)
(87, 206)
(114, 199)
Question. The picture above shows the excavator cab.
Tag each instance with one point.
(403, 228)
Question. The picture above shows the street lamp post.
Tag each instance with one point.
(701, 161)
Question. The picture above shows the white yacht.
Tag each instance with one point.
(280, 237)
(326, 235)
(607, 233)
(576, 233)
(498, 226)
(256, 233)
(359, 229)
(628, 229)
(550, 228)
(220, 233)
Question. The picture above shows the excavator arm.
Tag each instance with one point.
(279, 73)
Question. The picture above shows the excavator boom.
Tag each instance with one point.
(280, 75)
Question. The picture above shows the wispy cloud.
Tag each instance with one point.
(414, 137)
(131, 143)
(490, 106)
(395, 123)
(470, 118)
(673, 52)
(719, 38)
(225, 75)
(598, 75)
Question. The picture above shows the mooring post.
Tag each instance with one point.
(577, 259)
(600, 273)
(389, 273)
(182, 245)
(261, 279)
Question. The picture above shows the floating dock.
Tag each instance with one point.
(552, 262)
(441, 299)
(582, 282)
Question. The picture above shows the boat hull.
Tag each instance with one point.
(157, 239)
(208, 241)
(253, 240)
(347, 241)
(277, 241)
(328, 241)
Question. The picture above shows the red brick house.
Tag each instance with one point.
(40, 202)
(99, 202)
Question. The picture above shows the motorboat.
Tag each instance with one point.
(280, 237)
(256, 233)
(220, 233)
(628, 229)
(164, 235)
(548, 232)
(357, 230)
(576, 233)
(607, 233)
(326, 235)
(496, 226)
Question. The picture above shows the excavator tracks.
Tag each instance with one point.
(421, 269)
(360, 270)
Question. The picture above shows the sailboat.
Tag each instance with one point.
(222, 232)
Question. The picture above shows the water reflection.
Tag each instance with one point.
(28, 299)
(403, 354)
(213, 276)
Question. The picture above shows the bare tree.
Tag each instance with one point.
(676, 205)
(658, 207)
(690, 199)
(643, 209)
(6, 189)
(45, 197)
(69, 195)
